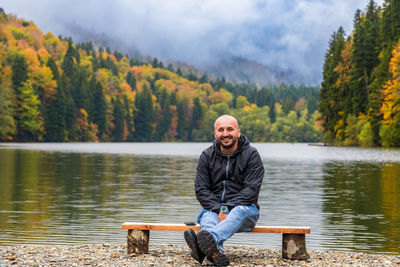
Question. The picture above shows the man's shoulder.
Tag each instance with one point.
(251, 154)
(250, 149)
(209, 150)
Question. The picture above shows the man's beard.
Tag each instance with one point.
(234, 141)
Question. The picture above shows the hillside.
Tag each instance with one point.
(55, 90)
(239, 70)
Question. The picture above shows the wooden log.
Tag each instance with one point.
(138, 241)
(294, 247)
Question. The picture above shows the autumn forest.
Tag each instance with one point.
(55, 90)
(360, 92)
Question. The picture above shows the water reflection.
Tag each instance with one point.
(59, 197)
(64, 198)
(361, 205)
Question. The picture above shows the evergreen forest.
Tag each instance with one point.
(55, 90)
(360, 91)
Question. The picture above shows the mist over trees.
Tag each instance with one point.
(55, 90)
(360, 88)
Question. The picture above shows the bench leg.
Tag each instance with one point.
(138, 241)
(294, 247)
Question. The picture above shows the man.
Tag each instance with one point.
(228, 181)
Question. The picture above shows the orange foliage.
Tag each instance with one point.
(3, 34)
(143, 72)
(31, 57)
(6, 73)
(185, 90)
(344, 67)
(141, 85)
(42, 78)
(126, 131)
(172, 132)
(222, 96)
(43, 54)
(247, 108)
(168, 84)
(125, 88)
(104, 55)
(300, 104)
(87, 131)
(36, 34)
(391, 105)
(112, 57)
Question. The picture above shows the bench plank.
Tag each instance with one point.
(183, 227)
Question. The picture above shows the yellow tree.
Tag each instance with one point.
(390, 129)
(29, 120)
(7, 97)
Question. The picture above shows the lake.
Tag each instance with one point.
(76, 193)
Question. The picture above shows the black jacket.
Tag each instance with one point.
(229, 179)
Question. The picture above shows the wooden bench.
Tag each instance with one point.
(293, 238)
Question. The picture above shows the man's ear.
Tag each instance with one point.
(238, 133)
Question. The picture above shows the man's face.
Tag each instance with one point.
(226, 132)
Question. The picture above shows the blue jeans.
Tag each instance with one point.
(239, 219)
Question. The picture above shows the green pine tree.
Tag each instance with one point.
(54, 117)
(359, 74)
(182, 127)
(100, 110)
(119, 120)
(165, 119)
(7, 122)
(197, 116)
(19, 70)
(131, 80)
(329, 92)
(144, 115)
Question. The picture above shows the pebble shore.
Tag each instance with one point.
(174, 255)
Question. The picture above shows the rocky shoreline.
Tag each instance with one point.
(174, 255)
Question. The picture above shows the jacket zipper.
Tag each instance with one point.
(224, 181)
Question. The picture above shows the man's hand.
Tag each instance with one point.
(222, 216)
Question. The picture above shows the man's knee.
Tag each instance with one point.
(245, 211)
(207, 219)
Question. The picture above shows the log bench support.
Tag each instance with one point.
(293, 238)
(138, 241)
(294, 247)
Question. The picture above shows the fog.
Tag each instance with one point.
(287, 35)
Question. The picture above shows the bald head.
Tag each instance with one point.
(226, 118)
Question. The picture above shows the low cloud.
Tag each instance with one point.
(289, 35)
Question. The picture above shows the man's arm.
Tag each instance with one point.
(202, 184)
(253, 178)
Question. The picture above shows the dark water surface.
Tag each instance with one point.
(81, 193)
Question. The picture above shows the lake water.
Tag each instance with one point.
(82, 193)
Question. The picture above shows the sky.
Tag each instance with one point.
(289, 35)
